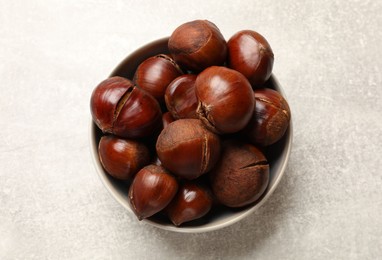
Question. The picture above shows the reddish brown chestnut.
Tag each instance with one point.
(188, 149)
(155, 74)
(105, 99)
(226, 100)
(167, 119)
(122, 158)
(270, 119)
(250, 53)
(191, 202)
(197, 45)
(152, 190)
(120, 108)
(180, 97)
(241, 175)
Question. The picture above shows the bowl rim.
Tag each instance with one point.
(189, 229)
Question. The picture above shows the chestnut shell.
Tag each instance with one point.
(197, 45)
(250, 54)
(122, 158)
(241, 175)
(226, 100)
(187, 148)
(270, 119)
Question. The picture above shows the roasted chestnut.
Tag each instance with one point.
(191, 202)
(250, 54)
(155, 74)
(122, 158)
(120, 108)
(152, 190)
(270, 119)
(241, 175)
(226, 100)
(180, 97)
(197, 45)
(187, 148)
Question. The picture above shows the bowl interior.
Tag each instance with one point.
(219, 217)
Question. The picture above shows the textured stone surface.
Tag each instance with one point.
(327, 58)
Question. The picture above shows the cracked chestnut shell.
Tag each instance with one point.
(152, 190)
(191, 202)
(197, 45)
(187, 148)
(122, 158)
(250, 54)
(155, 74)
(118, 107)
(241, 175)
(180, 97)
(270, 119)
(226, 100)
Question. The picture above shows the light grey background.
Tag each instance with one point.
(328, 60)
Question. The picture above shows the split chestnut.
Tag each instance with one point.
(120, 108)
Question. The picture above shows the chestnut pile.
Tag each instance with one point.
(188, 130)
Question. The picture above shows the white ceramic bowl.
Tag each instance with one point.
(277, 156)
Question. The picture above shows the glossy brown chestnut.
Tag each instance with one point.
(180, 97)
(155, 74)
(152, 190)
(187, 148)
(270, 119)
(122, 158)
(241, 175)
(167, 119)
(120, 108)
(191, 202)
(250, 53)
(226, 100)
(105, 99)
(197, 45)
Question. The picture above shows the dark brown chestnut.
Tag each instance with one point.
(180, 97)
(241, 175)
(120, 108)
(191, 202)
(226, 100)
(155, 74)
(152, 190)
(167, 119)
(250, 54)
(122, 158)
(197, 45)
(187, 148)
(270, 119)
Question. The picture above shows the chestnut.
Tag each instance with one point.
(152, 190)
(226, 100)
(191, 202)
(118, 107)
(155, 74)
(122, 158)
(197, 45)
(180, 97)
(241, 175)
(167, 119)
(250, 54)
(187, 148)
(270, 119)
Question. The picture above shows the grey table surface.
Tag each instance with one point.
(328, 60)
